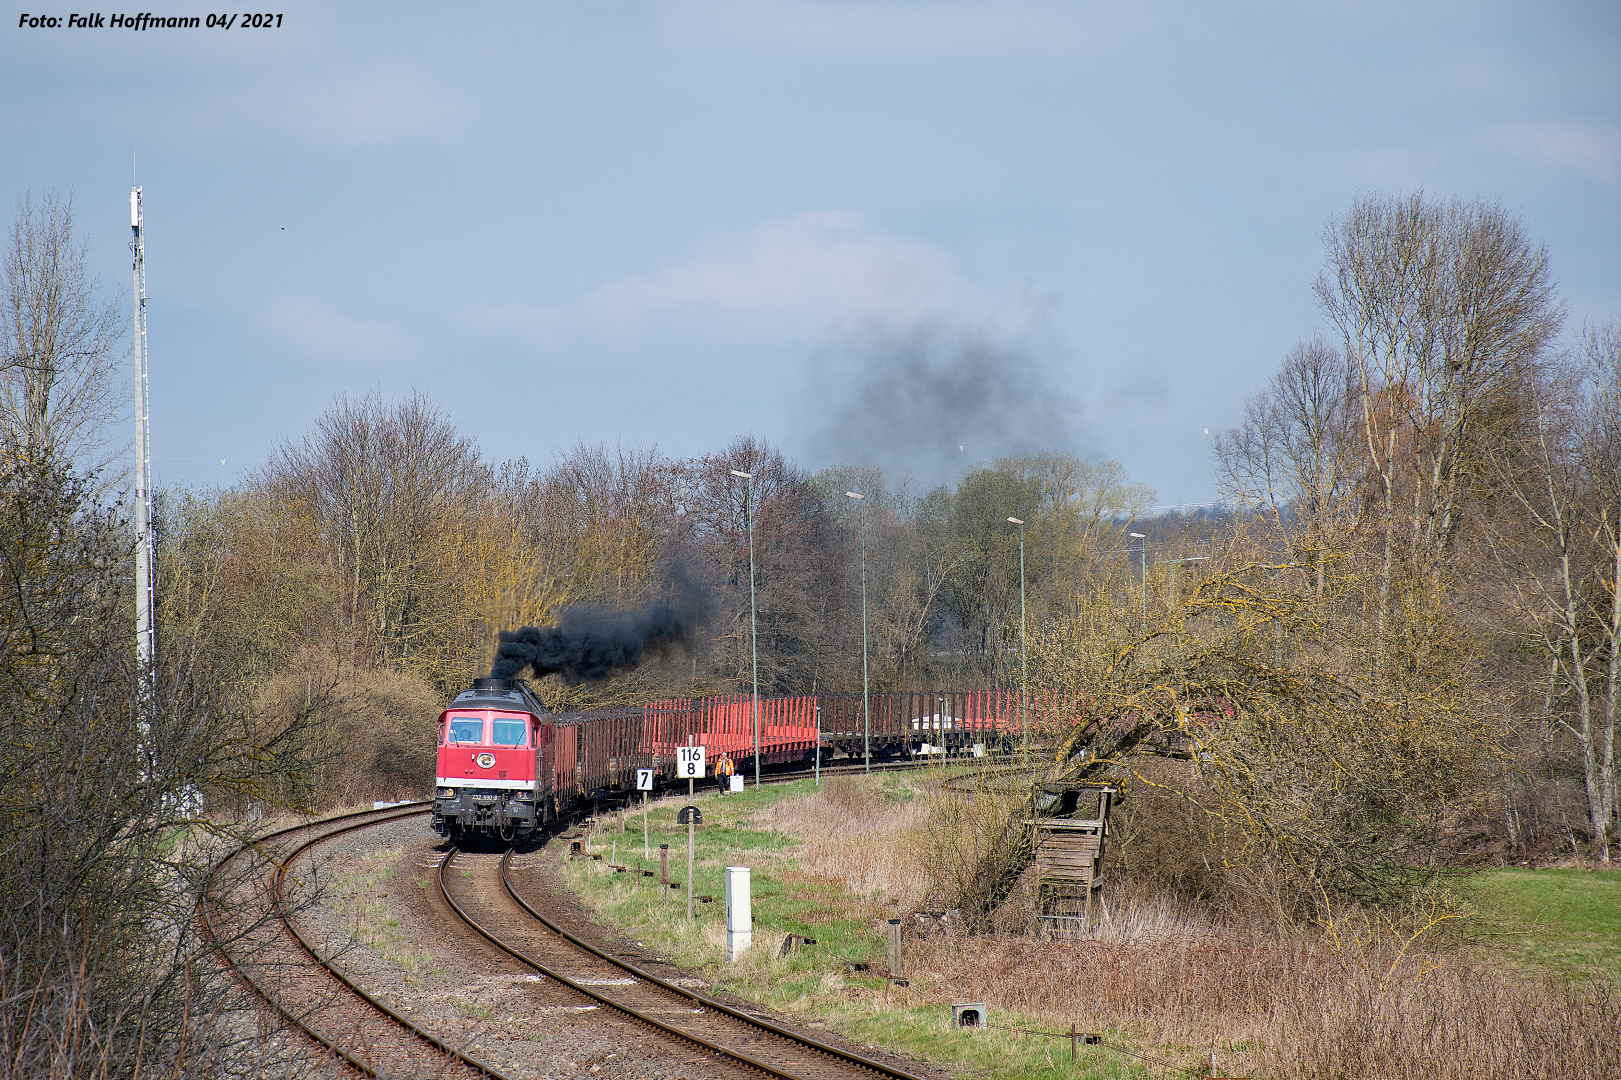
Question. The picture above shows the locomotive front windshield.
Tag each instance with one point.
(511, 732)
(465, 729)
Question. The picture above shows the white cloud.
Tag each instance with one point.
(367, 106)
(818, 262)
(823, 268)
(1591, 149)
(314, 329)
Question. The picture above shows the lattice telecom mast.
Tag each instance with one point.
(145, 636)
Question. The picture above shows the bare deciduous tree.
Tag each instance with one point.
(1445, 310)
(111, 780)
(1294, 459)
(1561, 554)
(59, 355)
(798, 573)
(384, 485)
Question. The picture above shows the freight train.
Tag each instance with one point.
(507, 764)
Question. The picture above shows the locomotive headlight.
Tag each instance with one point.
(447, 793)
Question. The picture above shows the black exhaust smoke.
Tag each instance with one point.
(592, 641)
(589, 643)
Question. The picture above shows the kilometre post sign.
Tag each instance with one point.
(689, 762)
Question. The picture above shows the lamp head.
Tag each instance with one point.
(854, 495)
(1016, 521)
(744, 475)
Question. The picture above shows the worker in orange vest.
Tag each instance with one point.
(723, 773)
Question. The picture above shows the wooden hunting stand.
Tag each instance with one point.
(1068, 851)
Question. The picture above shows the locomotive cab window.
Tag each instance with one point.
(511, 732)
(465, 729)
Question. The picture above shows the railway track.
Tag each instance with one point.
(487, 900)
(244, 913)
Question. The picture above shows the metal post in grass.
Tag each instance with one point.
(754, 630)
(816, 710)
(644, 785)
(866, 699)
(739, 912)
(691, 817)
(1024, 652)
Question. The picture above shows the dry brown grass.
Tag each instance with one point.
(1181, 981)
(853, 835)
(1273, 1008)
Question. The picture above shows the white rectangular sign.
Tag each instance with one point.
(644, 779)
(689, 762)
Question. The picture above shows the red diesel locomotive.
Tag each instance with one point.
(495, 743)
(508, 765)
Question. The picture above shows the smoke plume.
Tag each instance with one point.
(592, 641)
(589, 643)
(935, 401)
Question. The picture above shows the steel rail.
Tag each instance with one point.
(699, 999)
(212, 933)
(324, 962)
(670, 1030)
(378, 816)
(580, 988)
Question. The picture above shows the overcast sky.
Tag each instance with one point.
(868, 232)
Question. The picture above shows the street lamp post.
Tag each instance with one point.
(1173, 563)
(866, 707)
(1144, 539)
(1024, 652)
(754, 631)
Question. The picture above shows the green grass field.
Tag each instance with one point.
(815, 984)
(1559, 922)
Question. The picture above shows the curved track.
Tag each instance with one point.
(244, 913)
(489, 903)
(260, 944)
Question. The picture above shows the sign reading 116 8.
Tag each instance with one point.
(689, 762)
